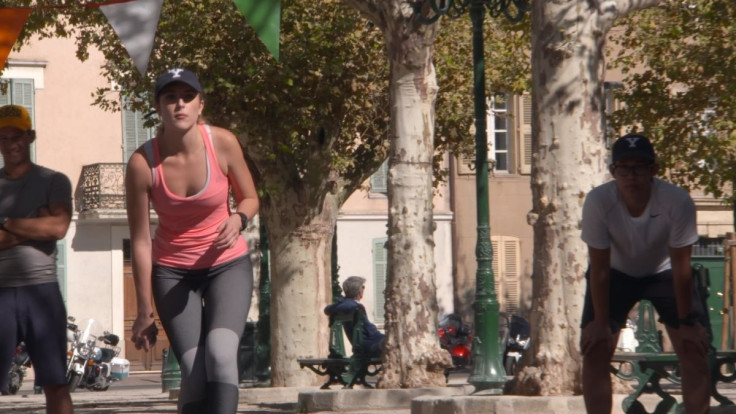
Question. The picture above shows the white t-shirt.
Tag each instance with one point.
(639, 245)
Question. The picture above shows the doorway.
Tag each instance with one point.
(140, 360)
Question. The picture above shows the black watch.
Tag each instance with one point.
(243, 220)
(3, 219)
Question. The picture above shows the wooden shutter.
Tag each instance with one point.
(379, 179)
(380, 266)
(5, 97)
(523, 119)
(134, 132)
(505, 265)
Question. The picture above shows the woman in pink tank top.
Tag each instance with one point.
(196, 266)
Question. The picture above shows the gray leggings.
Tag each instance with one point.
(203, 313)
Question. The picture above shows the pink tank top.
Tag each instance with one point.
(187, 226)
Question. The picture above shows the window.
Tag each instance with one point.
(509, 132)
(380, 266)
(379, 179)
(134, 131)
(20, 92)
(499, 136)
(505, 265)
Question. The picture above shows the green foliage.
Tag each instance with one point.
(507, 69)
(679, 63)
(322, 108)
(328, 94)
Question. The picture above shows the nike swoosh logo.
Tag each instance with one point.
(654, 215)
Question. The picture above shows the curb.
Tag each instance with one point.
(370, 399)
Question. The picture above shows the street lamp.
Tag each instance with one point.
(488, 375)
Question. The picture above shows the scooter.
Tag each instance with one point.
(516, 341)
(21, 362)
(456, 337)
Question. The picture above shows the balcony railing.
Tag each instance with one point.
(101, 187)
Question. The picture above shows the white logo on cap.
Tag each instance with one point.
(176, 72)
(632, 141)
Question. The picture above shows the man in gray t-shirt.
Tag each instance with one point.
(35, 212)
(640, 231)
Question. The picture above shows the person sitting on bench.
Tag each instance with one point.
(640, 231)
(353, 288)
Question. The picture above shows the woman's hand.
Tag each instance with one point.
(144, 332)
(228, 232)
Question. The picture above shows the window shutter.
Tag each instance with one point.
(505, 265)
(134, 131)
(22, 94)
(524, 129)
(511, 274)
(380, 265)
(497, 274)
(379, 179)
(5, 97)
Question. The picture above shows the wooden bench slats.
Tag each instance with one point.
(346, 371)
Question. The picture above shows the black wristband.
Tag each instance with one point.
(243, 220)
(3, 219)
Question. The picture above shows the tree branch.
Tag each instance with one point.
(367, 8)
(626, 7)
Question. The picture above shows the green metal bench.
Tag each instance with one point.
(339, 369)
(649, 367)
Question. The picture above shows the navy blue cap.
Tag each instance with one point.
(177, 75)
(632, 146)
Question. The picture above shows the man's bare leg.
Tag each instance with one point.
(58, 399)
(694, 370)
(597, 388)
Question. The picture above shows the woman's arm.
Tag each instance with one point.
(137, 188)
(230, 155)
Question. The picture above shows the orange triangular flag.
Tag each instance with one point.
(11, 23)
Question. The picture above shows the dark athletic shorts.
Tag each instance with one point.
(36, 314)
(626, 291)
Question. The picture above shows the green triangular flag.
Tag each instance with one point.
(265, 17)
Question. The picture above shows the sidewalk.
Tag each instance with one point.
(141, 393)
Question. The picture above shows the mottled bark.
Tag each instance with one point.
(300, 288)
(569, 158)
(412, 356)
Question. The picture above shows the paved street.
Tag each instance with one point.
(141, 393)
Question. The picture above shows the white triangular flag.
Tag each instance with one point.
(135, 23)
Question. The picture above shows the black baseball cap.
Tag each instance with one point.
(177, 75)
(632, 146)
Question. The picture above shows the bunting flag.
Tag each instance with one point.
(11, 23)
(135, 23)
(265, 17)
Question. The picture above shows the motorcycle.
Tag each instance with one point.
(91, 366)
(516, 340)
(456, 337)
(21, 362)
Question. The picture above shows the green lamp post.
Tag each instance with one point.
(488, 376)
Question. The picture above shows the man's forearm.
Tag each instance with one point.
(683, 287)
(8, 239)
